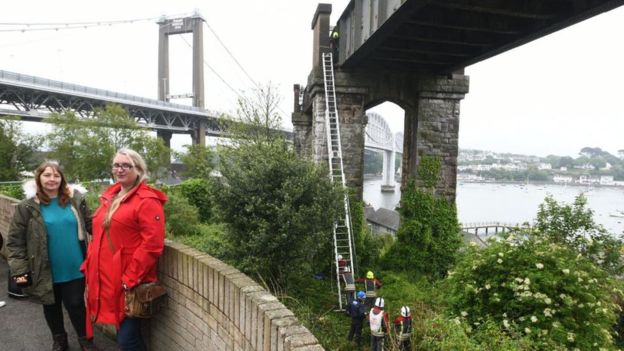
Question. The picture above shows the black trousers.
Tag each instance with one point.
(356, 330)
(70, 294)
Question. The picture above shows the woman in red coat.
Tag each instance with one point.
(128, 239)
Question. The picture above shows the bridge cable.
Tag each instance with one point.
(56, 26)
(217, 74)
(238, 63)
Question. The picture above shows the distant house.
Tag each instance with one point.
(561, 179)
(587, 180)
(544, 166)
(606, 180)
(382, 220)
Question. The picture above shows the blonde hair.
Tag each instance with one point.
(140, 166)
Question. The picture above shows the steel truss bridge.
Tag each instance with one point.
(34, 99)
(378, 136)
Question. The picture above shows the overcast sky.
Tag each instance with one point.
(552, 96)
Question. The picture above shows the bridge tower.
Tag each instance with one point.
(173, 26)
(430, 101)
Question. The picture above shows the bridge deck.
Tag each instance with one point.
(448, 35)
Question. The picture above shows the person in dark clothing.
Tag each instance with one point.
(46, 245)
(403, 328)
(357, 311)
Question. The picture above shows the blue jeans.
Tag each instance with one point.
(129, 335)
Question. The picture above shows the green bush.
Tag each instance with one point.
(182, 218)
(209, 239)
(536, 288)
(197, 192)
(12, 190)
(439, 333)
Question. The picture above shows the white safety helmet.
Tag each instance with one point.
(379, 302)
(339, 257)
(405, 311)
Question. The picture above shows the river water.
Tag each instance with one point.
(514, 203)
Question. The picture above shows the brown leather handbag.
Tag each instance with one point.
(144, 300)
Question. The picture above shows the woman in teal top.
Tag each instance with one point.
(46, 246)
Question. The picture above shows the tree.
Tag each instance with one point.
(17, 151)
(280, 209)
(85, 147)
(257, 118)
(573, 226)
(199, 161)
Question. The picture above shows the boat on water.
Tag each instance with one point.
(617, 213)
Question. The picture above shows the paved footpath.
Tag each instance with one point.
(23, 327)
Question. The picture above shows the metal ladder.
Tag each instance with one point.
(343, 236)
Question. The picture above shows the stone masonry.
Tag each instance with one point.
(211, 306)
(430, 101)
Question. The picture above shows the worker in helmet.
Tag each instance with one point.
(334, 37)
(370, 285)
(403, 328)
(378, 319)
(357, 310)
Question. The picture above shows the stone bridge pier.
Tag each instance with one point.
(431, 103)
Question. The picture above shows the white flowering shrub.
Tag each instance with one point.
(537, 288)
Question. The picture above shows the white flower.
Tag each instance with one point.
(547, 312)
(500, 254)
(464, 313)
(487, 286)
(527, 330)
(571, 337)
(565, 271)
(499, 261)
(533, 319)
(547, 300)
(527, 281)
(539, 265)
(506, 323)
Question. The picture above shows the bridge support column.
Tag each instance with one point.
(388, 184)
(165, 135)
(198, 135)
(352, 118)
(432, 129)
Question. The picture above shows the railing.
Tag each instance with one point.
(25, 79)
(492, 228)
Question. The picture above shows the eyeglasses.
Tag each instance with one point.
(123, 166)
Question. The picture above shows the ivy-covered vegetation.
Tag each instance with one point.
(429, 235)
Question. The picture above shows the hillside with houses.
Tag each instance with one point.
(593, 166)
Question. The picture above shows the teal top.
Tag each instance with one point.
(64, 250)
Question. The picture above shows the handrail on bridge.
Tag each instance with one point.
(55, 84)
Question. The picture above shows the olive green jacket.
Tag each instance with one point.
(27, 244)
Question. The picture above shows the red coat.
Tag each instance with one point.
(137, 232)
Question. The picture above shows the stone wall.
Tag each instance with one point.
(211, 306)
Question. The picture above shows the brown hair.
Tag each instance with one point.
(63, 194)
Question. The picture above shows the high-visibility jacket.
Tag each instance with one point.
(378, 320)
(403, 327)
